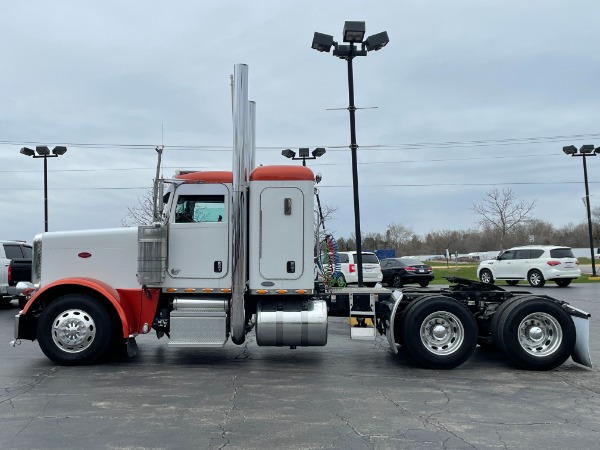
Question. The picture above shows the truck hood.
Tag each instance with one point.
(108, 255)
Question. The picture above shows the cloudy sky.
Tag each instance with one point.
(470, 95)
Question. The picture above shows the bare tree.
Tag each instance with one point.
(140, 214)
(501, 211)
(327, 213)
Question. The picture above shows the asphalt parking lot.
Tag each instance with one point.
(349, 394)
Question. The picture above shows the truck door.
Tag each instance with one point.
(281, 233)
(198, 233)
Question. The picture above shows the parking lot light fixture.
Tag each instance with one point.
(586, 151)
(44, 152)
(353, 34)
(304, 154)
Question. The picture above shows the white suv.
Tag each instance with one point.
(534, 263)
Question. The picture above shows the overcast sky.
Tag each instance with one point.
(470, 95)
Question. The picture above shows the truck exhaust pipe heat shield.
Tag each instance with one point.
(242, 160)
(291, 323)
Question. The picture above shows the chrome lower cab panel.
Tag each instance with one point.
(198, 323)
(291, 323)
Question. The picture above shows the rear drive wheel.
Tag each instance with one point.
(396, 281)
(439, 332)
(563, 282)
(537, 334)
(495, 325)
(536, 279)
(424, 283)
(485, 276)
(512, 282)
(74, 329)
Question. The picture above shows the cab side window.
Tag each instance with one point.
(200, 208)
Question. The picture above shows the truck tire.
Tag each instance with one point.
(75, 329)
(5, 301)
(495, 325)
(537, 334)
(439, 332)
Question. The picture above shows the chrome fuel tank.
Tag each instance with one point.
(291, 323)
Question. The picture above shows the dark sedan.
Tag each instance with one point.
(400, 271)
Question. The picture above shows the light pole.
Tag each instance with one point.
(584, 152)
(353, 33)
(303, 154)
(44, 152)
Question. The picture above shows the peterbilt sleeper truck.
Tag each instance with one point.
(233, 252)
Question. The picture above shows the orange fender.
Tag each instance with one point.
(127, 303)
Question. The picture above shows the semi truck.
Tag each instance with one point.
(232, 252)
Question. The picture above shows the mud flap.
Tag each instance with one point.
(132, 347)
(581, 352)
(397, 296)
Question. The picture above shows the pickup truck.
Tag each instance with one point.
(15, 266)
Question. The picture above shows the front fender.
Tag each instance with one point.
(121, 304)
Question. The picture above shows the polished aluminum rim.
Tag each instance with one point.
(540, 334)
(442, 333)
(73, 331)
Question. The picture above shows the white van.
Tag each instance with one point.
(371, 268)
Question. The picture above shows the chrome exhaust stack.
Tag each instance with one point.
(243, 160)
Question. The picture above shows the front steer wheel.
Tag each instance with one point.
(74, 329)
(439, 332)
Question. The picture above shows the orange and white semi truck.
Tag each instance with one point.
(232, 251)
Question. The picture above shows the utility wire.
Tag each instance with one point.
(514, 183)
(314, 164)
(428, 145)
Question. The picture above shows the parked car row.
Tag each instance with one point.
(395, 272)
(535, 264)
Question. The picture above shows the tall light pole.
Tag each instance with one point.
(354, 33)
(44, 152)
(303, 154)
(584, 152)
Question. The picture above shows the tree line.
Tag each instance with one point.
(504, 222)
(406, 242)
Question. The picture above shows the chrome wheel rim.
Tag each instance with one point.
(540, 334)
(442, 333)
(486, 276)
(73, 331)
